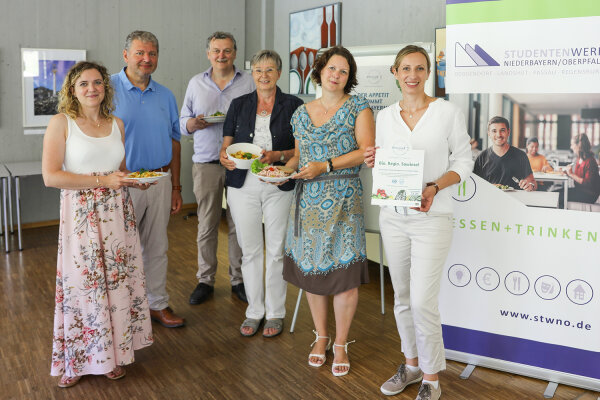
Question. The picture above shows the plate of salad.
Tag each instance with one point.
(215, 118)
(271, 173)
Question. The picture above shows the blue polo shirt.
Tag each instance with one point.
(151, 120)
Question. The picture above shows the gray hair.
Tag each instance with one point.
(264, 55)
(221, 35)
(143, 36)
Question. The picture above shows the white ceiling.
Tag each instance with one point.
(556, 103)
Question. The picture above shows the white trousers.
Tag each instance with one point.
(416, 247)
(254, 202)
(152, 209)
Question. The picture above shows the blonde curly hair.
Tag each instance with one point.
(68, 103)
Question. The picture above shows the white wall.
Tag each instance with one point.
(100, 27)
(366, 23)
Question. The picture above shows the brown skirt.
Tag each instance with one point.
(337, 281)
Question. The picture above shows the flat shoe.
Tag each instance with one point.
(68, 381)
(321, 357)
(250, 323)
(275, 323)
(116, 373)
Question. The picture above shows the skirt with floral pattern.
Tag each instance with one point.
(101, 314)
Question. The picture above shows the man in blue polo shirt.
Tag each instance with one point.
(149, 111)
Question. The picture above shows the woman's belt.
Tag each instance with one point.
(300, 188)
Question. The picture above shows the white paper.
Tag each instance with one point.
(398, 177)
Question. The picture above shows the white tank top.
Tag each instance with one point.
(86, 154)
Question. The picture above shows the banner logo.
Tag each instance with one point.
(469, 56)
(465, 190)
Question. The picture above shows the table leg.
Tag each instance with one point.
(4, 195)
(10, 210)
(566, 197)
(18, 206)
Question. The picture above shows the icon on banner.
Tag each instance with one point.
(459, 275)
(465, 190)
(487, 279)
(516, 283)
(469, 56)
(547, 287)
(579, 292)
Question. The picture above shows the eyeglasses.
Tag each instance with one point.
(267, 71)
(224, 51)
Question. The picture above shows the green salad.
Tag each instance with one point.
(257, 166)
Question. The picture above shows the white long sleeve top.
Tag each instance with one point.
(442, 133)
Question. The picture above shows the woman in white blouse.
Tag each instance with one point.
(417, 240)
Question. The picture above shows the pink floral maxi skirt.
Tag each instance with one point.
(101, 314)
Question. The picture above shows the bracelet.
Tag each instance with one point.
(177, 187)
(437, 188)
(329, 165)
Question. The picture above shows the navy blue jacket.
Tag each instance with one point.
(240, 121)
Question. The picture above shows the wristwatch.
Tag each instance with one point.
(282, 156)
(437, 188)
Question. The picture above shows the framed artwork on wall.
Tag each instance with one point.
(310, 31)
(43, 73)
(440, 62)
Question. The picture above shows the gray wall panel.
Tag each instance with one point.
(100, 27)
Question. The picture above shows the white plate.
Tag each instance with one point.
(246, 148)
(149, 179)
(273, 179)
(295, 82)
(215, 120)
(309, 87)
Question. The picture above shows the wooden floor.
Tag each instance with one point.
(209, 359)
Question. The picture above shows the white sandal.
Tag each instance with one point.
(321, 357)
(335, 365)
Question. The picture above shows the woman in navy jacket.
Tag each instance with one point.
(263, 118)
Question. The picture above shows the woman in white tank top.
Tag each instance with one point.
(99, 263)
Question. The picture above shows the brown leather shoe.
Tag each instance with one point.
(167, 318)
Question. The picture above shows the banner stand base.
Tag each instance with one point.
(468, 371)
(550, 389)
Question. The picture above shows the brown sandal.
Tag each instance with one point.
(68, 381)
(116, 373)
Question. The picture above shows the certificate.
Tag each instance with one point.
(398, 178)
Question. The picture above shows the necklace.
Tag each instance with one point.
(331, 106)
(264, 113)
(410, 113)
(97, 123)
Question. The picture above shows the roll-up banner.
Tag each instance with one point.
(521, 286)
(523, 46)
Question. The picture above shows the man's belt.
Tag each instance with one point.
(161, 169)
(209, 162)
(300, 188)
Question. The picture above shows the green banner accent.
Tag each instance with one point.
(519, 10)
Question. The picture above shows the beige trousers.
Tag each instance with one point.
(152, 209)
(209, 182)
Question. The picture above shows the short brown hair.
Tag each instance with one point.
(498, 120)
(406, 50)
(324, 58)
(67, 102)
